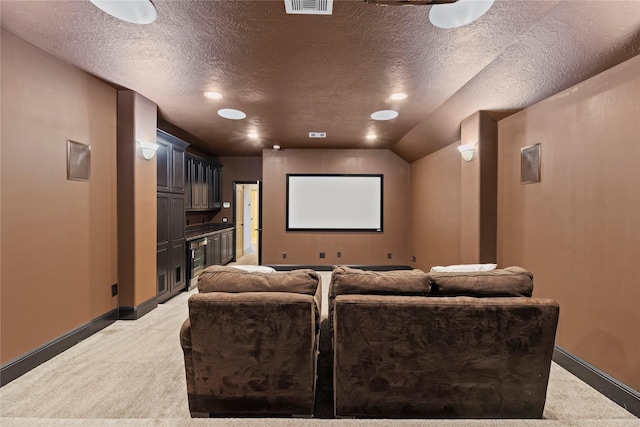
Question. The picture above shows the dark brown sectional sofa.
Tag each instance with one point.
(406, 344)
(440, 345)
(251, 342)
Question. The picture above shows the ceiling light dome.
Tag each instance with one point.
(398, 96)
(231, 114)
(213, 95)
(133, 11)
(384, 115)
(457, 14)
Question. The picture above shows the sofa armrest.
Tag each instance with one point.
(253, 352)
(185, 342)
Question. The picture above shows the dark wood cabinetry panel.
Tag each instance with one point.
(163, 219)
(177, 217)
(164, 167)
(170, 158)
(171, 249)
(202, 184)
(178, 270)
(162, 278)
(177, 166)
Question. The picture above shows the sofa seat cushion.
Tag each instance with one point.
(229, 279)
(507, 282)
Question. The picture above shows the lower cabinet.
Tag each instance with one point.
(171, 249)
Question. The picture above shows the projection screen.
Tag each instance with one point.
(334, 202)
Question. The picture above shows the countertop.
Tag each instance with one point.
(193, 232)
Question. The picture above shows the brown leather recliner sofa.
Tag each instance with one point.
(251, 342)
(409, 344)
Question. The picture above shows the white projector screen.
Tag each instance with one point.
(334, 202)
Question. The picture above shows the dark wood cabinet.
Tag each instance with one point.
(219, 247)
(170, 158)
(171, 244)
(226, 246)
(202, 184)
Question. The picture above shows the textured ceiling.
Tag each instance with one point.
(293, 74)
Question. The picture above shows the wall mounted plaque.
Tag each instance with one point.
(78, 161)
(530, 164)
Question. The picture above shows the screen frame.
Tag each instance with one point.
(337, 230)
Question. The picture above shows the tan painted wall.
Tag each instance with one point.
(58, 237)
(236, 169)
(578, 230)
(356, 248)
(435, 209)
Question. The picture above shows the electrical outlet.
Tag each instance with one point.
(339, 254)
(114, 290)
(389, 255)
(413, 259)
(322, 254)
(284, 255)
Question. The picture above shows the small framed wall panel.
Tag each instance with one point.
(530, 158)
(78, 161)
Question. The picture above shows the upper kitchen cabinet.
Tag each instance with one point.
(171, 163)
(202, 179)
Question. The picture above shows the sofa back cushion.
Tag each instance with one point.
(508, 282)
(450, 357)
(228, 279)
(346, 280)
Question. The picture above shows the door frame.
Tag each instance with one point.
(235, 235)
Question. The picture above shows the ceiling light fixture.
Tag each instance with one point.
(213, 95)
(371, 136)
(384, 115)
(276, 147)
(317, 134)
(458, 14)
(133, 11)
(231, 114)
(253, 135)
(398, 96)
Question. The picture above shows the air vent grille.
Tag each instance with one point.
(308, 7)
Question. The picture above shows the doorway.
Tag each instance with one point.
(248, 221)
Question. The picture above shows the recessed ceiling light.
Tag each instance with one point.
(276, 147)
(317, 134)
(398, 96)
(213, 95)
(253, 135)
(462, 12)
(384, 115)
(133, 11)
(371, 136)
(231, 114)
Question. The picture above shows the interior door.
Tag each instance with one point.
(239, 220)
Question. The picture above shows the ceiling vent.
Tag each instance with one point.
(317, 134)
(308, 7)
(408, 2)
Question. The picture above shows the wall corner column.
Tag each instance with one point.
(137, 211)
(479, 190)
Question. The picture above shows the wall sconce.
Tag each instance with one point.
(148, 149)
(467, 151)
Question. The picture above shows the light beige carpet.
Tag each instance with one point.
(132, 374)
